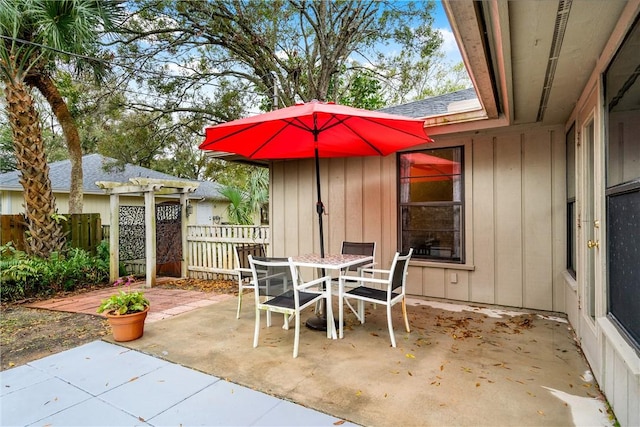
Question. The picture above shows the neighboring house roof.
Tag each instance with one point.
(93, 170)
(448, 103)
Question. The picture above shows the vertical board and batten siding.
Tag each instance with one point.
(508, 220)
(514, 195)
(516, 210)
(537, 218)
(483, 219)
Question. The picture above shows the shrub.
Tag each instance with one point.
(24, 276)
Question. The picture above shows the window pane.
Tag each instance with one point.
(431, 198)
(571, 238)
(622, 105)
(431, 175)
(433, 231)
(622, 102)
(571, 163)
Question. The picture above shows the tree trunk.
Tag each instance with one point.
(47, 87)
(45, 234)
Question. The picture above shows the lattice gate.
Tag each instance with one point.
(168, 239)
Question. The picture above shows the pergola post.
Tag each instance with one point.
(183, 224)
(150, 237)
(114, 237)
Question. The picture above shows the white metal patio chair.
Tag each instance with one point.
(243, 268)
(367, 289)
(280, 289)
(358, 248)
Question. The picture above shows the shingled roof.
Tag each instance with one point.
(434, 106)
(95, 168)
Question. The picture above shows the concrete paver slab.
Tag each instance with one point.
(21, 377)
(90, 413)
(38, 401)
(289, 414)
(97, 367)
(170, 385)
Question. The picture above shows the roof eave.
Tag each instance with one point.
(477, 26)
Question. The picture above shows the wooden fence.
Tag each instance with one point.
(83, 231)
(210, 248)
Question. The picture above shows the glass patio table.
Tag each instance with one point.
(336, 262)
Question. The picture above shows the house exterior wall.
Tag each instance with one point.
(12, 203)
(514, 216)
(615, 363)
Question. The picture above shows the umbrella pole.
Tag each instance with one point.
(319, 323)
(319, 206)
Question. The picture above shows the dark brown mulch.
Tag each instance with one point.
(202, 285)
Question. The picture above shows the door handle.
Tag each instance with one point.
(593, 244)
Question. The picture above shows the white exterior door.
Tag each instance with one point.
(590, 221)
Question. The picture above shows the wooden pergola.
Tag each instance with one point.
(148, 187)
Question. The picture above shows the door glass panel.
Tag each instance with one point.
(589, 146)
(572, 227)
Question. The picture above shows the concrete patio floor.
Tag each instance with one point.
(459, 366)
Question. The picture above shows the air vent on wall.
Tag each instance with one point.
(562, 17)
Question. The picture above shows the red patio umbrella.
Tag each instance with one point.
(314, 130)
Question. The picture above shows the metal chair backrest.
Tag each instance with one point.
(399, 268)
(243, 252)
(358, 248)
(274, 276)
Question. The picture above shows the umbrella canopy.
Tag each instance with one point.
(314, 130)
(335, 130)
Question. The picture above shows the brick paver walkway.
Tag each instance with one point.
(164, 302)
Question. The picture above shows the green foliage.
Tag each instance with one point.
(363, 91)
(246, 200)
(125, 301)
(23, 276)
(7, 153)
(238, 210)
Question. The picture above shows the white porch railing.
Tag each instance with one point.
(210, 247)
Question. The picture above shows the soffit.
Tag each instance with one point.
(519, 39)
(532, 27)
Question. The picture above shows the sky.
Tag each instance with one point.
(441, 23)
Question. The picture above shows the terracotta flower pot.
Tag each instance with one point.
(127, 327)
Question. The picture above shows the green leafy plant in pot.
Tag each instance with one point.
(126, 311)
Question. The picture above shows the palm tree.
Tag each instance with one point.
(244, 203)
(238, 210)
(31, 31)
(75, 26)
(258, 189)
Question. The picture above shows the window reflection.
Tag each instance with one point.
(431, 203)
